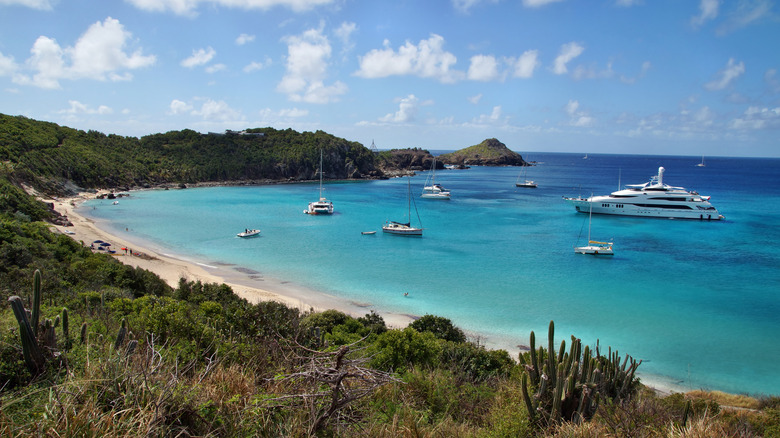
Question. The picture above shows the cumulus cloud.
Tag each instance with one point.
(99, 54)
(475, 99)
(568, 52)
(254, 66)
(244, 39)
(217, 110)
(43, 5)
(407, 110)
(728, 74)
(489, 119)
(77, 107)
(189, 7)
(708, 10)
(7, 65)
(525, 65)
(428, 59)
(179, 107)
(199, 57)
(344, 33)
(483, 68)
(577, 117)
(307, 62)
(215, 68)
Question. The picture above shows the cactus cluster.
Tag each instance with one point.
(567, 386)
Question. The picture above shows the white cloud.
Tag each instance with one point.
(426, 60)
(593, 72)
(538, 3)
(345, 31)
(568, 52)
(463, 6)
(483, 68)
(726, 75)
(525, 65)
(630, 80)
(708, 10)
(43, 5)
(489, 119)
(407, 110)
(254, 66)
(756, 118)
(475, 99)
(577, 117)
(77, 107)
(215, 68)
(217, 110)
(189, 7)
(307, 56)
(244, 39)
(747, 13)
(293, 113)
(7, 65)
(199, 57)
(179, 107)
(98, 54)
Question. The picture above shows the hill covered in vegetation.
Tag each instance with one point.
(490, 152)
(92, 347)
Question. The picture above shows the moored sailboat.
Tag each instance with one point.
(405, 228)
(322, 206)
(594, 247)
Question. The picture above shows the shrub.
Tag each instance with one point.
(441, 327)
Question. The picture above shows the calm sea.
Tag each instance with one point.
(698, 302)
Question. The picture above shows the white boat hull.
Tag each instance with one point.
(607, 205)
(401, 229)
(317, 208)
(594, 250)
(249, 233)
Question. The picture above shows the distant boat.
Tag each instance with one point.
(367, 233)
(585, 157)
(404, 228)
(433, 190)
(323, 206)
(248, 233)
(702, 162)
(594, 247)
(522, 181)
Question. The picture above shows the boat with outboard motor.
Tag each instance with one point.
(651, 199)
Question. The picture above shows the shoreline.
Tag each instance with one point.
(244, 282)
(252, 285)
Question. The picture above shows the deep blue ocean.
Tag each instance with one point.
(698, 302)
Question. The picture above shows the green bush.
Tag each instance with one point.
(440, 327)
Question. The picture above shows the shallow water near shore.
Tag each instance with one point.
(697, 301)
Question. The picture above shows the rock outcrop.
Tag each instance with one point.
(490, 152)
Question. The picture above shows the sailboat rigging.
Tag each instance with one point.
(323, 206)
(405, 228)
(433, 190)
(594, 247)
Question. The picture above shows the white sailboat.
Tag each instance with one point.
(523, 181)
(323, 206)
(431, 190)
(405, 228)
(702, 162)
(594, 247)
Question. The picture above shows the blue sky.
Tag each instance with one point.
(680, 77)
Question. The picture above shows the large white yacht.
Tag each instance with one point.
(651, 199)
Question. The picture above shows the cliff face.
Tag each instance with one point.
(490, 152)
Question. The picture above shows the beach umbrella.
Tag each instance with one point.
(105, 244)
(123, 248)
(98, 241)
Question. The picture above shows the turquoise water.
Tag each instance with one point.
(696, 301)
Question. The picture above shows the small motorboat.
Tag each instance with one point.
(366, 233)
(249, 233)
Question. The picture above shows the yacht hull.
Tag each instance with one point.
(606, 205)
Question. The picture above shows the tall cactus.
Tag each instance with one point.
(36, 302)
(568, 385)
(33, 356)
(65, 326)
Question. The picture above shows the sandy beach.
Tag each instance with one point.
(244, 282)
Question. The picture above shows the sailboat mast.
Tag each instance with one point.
(320, 174)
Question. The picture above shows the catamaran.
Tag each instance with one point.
(431, 190)
(323, 206)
